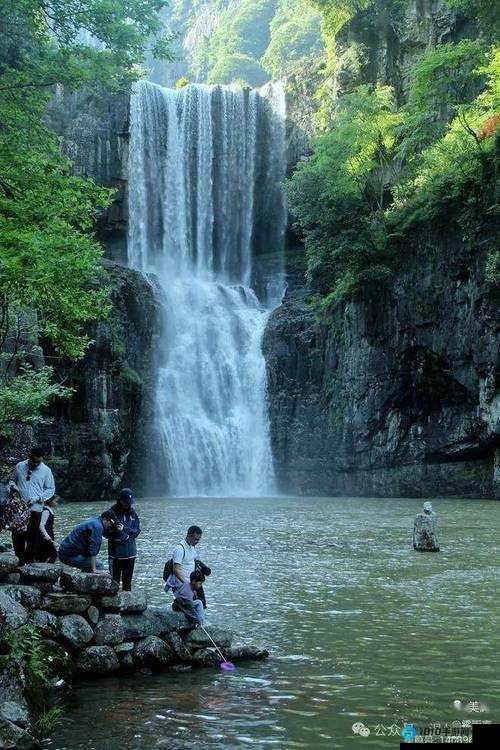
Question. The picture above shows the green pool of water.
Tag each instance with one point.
(360, 627)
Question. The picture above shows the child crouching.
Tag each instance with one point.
(187, 600)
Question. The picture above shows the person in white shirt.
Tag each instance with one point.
(185, 561)
(184, 557)
(35, 480)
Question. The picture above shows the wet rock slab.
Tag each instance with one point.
(97, 660)
(66, 602)
(75, 631)
(126, 602)
(88, 583)
(40, 572)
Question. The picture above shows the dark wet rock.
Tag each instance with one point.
(45, 623)
(14, 708)
(206, 657)
(109, 630)
(177, 645)
(97, 660)
(47, 572)
(102, 435)
(88, 583)
(154, 621)
(425, 533)
(198, 639)
(125, 602)
(60, 660)
(92, 615)
(127, 661)
(66, 602)
(75, 631)
(12, 578)
(153, 652)
(15, 713)
(8, 563)
(12, 614)
(125, 648)
(29, 596)
(396, 396)
(12, 736)
(246, 653)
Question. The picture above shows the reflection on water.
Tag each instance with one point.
(360, 627)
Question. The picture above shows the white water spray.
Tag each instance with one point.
(205, 197)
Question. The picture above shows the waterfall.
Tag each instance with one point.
(205, 205)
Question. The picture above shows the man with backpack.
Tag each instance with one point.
(178, 572)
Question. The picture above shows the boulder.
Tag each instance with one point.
(47, 572)
(125, 648)
(154, 621)
(29, 596)
(15, 712)
(246, 653)
(12, 614)
(127, 662)
(12, 736)
(65, 602)
(198, 639)
(93, 615)
(75, 631)
(177, 645)
(154, 653)
(88, 583)
(109, 630)
(97, 660)
(45, 623)
(206, 657)
(12, 578)
(8, 563)
(125, 602)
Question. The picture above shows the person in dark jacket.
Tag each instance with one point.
(122, 547)
(81, 547)
(44, 546)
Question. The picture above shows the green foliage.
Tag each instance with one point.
(338, 195)
(238, 42)
(253, 40)
(294, 37)
(49, 259)
(49, 720)
(24, 396)
(237, 68)
(377, 170)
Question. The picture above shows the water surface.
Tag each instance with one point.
(359, 626)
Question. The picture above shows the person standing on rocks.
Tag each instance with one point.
(44, 547)
(122, 547)
(35, 480)
(185, 561)
(425, 530)
(15, 516)
(81, 547)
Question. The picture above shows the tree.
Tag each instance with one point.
(49, 259)
(337, 196)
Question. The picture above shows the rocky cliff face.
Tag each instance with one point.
(99, 438)
(397, 396)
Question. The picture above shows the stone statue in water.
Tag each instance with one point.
(425, 530)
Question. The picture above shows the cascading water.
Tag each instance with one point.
(205, 198)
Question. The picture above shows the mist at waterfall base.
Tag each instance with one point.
(206, 205)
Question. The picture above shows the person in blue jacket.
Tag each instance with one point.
(122, 547)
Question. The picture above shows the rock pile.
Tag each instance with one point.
(96, 631)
